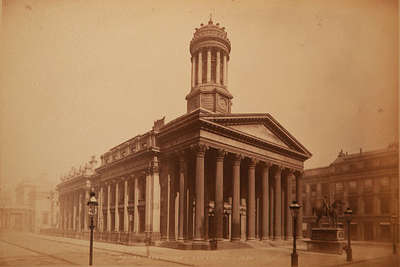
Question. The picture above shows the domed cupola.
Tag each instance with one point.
(210, 48)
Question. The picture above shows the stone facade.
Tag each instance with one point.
(208, 174)
(367, 182)
(31, 210)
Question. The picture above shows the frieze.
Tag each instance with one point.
(262, 155)
(225, 132)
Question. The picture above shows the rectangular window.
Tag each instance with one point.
(368, 185)
(353, 203)
(368, 205)
(385, 205)
(131, 190)
(385, 185)
(121, 193)
(325, 189)
(352, 187)
(339, 187)
(313, 190)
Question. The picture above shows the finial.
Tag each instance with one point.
(210, 21)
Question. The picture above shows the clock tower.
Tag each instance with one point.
(210, 50)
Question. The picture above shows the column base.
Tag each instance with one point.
(200, 245)
(234, 239)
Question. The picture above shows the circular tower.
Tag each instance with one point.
(210, 48)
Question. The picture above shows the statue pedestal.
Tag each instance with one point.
(326, 240)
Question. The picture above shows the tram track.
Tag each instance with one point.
(40, 252)
(124, 253)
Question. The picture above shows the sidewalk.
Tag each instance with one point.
(261, 256)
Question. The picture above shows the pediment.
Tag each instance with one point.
(260, 131)
(259, 126)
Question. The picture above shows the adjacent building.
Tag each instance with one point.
(208, 174)
(367, 182)
(30, 209)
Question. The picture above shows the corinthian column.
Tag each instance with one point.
(199, 69)
(108, 207)
(265, 200)
(225, 69)
(219, 193)
(199, 223)
(252, 200)
(236, 199)
(116, 226)
(79, 212)
(208, 65)
(193, 74)
(278, 203)
(182, 194)
(218, 68)
(126, 215)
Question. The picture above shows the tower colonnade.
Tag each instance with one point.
(209, 66)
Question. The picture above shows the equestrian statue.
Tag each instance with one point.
(329, 210)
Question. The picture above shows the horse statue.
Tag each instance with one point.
(329, 210)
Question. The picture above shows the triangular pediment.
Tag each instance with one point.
(260, 131)
(261, 127)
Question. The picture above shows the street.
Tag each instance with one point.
(25, 249)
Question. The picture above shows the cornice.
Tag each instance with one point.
(208, 88)
(237, 135)
(148, 152)
(264, 118)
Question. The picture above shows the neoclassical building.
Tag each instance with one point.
(367, 182)
(208, 174)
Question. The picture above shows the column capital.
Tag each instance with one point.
(278, 168)
(182, 162)
(252, 162)
(200, 149)
(237, 158)
(290, 171)
(221, 153)
(298, 173)
(266, 164)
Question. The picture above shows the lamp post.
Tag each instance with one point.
(294, 209)
(393, 221)
(348, 216)
(92, 204)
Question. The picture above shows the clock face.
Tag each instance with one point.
(223, 103)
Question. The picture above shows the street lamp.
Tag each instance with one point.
(393, 221)
(348, 216)
(294, 209)
(92, 204)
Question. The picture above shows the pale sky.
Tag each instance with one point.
(79, 77)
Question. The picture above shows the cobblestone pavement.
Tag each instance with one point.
(20, 249)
